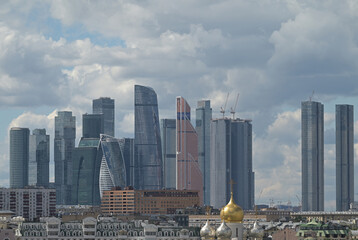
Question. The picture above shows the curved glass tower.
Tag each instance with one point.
(147, 142)
(113, 170)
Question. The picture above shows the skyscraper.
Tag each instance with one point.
(312, 156)
(231, 159)
(127, 147)
(203, 120)
(147, 142)
(168, 134)
(92, 125)
(86, 163)
(64, 143)
(105, 105)
(39, 158)
(189, 176)
(344, 157)
(19, 157)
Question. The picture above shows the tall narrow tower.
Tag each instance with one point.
(168, 134)
(344, 157)
(64, 143)
(105, 105)
(147, 143)
(203, 120)
(312, 156)
(189, 175)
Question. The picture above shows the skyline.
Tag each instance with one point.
(274, 55)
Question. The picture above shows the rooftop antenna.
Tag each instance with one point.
(222, 110)
(233, 109)
(311, 96)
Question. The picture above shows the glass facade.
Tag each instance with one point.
(312, 156)
(86, 163)
(113, 169)
(64, 143)
(127, 147)
(344, 157)
(203, 120)
(189, 176)
(147, 170)
(231, 159)
(19, 157)
(39, 158)
(168, 135)
(105, 106)
(92, 125)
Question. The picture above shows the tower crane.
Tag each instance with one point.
(233, 109)
(222, 110)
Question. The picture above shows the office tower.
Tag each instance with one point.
(64, 143)
(189, 176)
(312, 156)
(203, 120)
(86, 163)
(105, 106)
(92, 125)
(39, 158)
(344, 157)
(19, 157)
(147, 142)
(127, 147)
(113, 169)
(168, 135)
(231, 159)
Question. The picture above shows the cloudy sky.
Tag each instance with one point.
(59, 55)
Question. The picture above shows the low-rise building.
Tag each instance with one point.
(321, 231)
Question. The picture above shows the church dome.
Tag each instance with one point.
(207, 231)
(232, 213)
(223, 231)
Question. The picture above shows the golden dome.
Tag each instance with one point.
(232, 213)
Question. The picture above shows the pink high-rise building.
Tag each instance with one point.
(189, 176)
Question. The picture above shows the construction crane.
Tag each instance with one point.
(222, 109)
(311, 96)
(233, 109)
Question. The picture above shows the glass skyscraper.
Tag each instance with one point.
(92, 125)
(344, 157)
(105, 105)
(189, 176)
(39, 158)
(168, 134)
(147, 143)
(64, 143)
(127, 148)
(203, 120)
(86, 163)
(231, 159)
(312, 156)
(19, 157)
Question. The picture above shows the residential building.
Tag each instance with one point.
(105, 106)
(344, 157)
(92, 125)
(189, 176)
(168, 135)
(19, 157)
(130, 201)
(322, 231)
(147, 172)
(231, 159)
(203, 121)
(64, 143)
(312, 156)
(30, 203)
(39, 158)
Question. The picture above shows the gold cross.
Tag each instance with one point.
(232, 185)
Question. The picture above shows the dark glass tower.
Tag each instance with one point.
(64, 143)
(344, 157)
(105, 106)
(312, 156)
(92, 125)
(39, 158)
(19, 157)
(168, 135)
(127, 147)
(231, 159)
(203, 120)
(147, 142)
